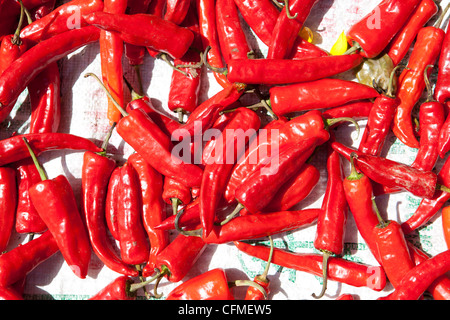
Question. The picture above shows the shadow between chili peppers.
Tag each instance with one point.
(316, 16)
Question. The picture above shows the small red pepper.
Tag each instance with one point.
(118, 289)
(8, 204)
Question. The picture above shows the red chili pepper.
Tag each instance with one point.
(232, 38)
(9, 293)
(303, 49)
(61, 20)
(418, 279)
(145, 30)
(341, 270)
(412, 83)
(9, 15)
(356, 110)
(176, 194)
(153, 212)
(374, 32)
(289, 23)
(380, 120)
(188, 219)
(306, 96)
(446, 225)
(112, 198)
(133, 242)
(176, 10)
(242, 127)
(42, 9)
(17, 263)
(8, 204)
(400, 45)
(262, 280)
(95, 175)
(284, 71)
(19, 74)
(119, 289)
(442, 87)
(156, 7)
(329, 238)
(55, 202)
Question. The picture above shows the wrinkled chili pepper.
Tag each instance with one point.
(154, 32)
(380, 121)
(289, 23)
(412, 83)
(21, 260)
(341, 270)
(153, 213)
(401, 43)
(329, 237)
(418, 279)
(61, 20)
(8, 204)
(118, 289)
(55, 202)
(306, 96)
(216, 174)
(374, 32)
(19, 74)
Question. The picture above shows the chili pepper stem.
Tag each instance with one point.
(354, 174)
(390, 89)
(118, 106)
(246, 283)
(164, 57)
(269, 260)
(236, 210)
(175, 203)
(180, 113)
(137, 69)
(326, 256)
(353, 49)
(39, 168)
(440, 20)
(195, 233)
(223, 70)
(382, 223)
(16, 38)
(330, 122)
(134, 94)
(442, 188)
(428, 84)
(137, 286)
(288, 12)
(106, 141)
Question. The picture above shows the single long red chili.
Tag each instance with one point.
(419, 278)
(339, 269)
(374, 32)
(19, 74)
(61, 20)
(154, 32)
(329, 237)
(133, 242)
(153, 211)
(380, 121)
(400, 45)
(306, 96)
(8, 204)
(289, 23)
(17, 263)
(118, 289)
(412, 83)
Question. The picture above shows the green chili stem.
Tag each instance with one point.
(326, 255)
(39, 168)
(354, 174)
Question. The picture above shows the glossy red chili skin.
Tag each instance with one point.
(118, 289)
(389, 16)
(255, 294)
(341, 270)
(95, 174)
(306, 96)
(176, 10)
(378, 125)
(21, 260)
(153, 211)
(211, 285)
(143, 134)
(60, 20)
(133, 242)
(275, 71)
(401, 43)
(442, 88)
(175, 190)
(10, 51)
(112, 198)
(19, 74)
(8, 204)
(356, 110)
(393, 250)
(56, 204)
(286, 29)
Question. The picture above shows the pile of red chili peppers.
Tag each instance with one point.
(150, 216)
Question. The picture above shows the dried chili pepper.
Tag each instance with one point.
(341, 270)
(306, 96)
(380, 121)
(287, 27)
(8, 204)
(412, 83)
(118, 289)
(55, 202)
(61, 20)
(153, 212)
(329, 237)
(21, 260)
(374, 32)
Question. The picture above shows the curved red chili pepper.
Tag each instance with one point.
(17, 263)
(306, 96)
(341, 270)
(118, 289)
(61, 20)
(8, 204)
(153, 211)
(374, 32)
